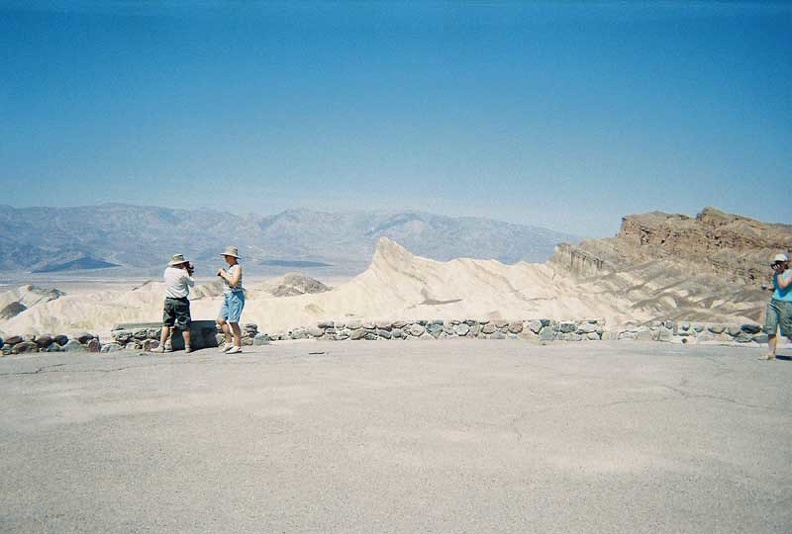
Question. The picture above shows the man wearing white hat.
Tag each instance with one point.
(779, 309)
(233, 301)
(176, 311)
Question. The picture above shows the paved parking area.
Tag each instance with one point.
(419, 436)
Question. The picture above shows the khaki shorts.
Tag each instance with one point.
(779, 313)
(176, 313)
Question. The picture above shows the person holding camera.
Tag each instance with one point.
(233, 301)
(176, 313)
(779, 309)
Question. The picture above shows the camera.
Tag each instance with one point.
(190, 268)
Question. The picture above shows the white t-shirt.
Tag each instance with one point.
(177, 283)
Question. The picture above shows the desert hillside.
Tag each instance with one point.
(708, 268)
(711, 267)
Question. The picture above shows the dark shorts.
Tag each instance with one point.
(176, 313)
(779, 314)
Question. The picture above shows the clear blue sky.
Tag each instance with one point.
(567, 115)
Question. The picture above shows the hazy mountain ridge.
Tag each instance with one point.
(145, 236)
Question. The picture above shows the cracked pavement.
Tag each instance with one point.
(413, 436)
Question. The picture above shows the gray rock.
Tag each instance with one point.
(326, 324)
(587, 327)
(148, 344)
(122, 336)
(515, 327)
(93, 345)
(417, 330)
(316, 331)
(26, 346)
(461, 329)
(261, 339)
(74, 346)
(112, 347)
(750, 328)
(498, 335)
(434, 328)
(733, 330)
(567, 327)
(535, 326)
(547, 333)
(716, 328)
(13, 340)
(298, 333)
(357, 333)
(743, 337)
(385, 334)
(43, 341)
(489, 328)
(354, 324)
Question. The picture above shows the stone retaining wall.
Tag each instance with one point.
(542, 330)
(204, 334)
(50, 343)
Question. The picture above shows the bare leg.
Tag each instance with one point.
(226, 331)
(772, 343)
(166, 330)
(186, 335)
(237, 334)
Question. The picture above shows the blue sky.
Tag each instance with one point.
(566, 115)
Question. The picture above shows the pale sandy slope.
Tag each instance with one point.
(397, 285)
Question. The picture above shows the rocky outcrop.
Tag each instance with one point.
(726, 244)
(710, 268)
(292, 284)
(15, 301)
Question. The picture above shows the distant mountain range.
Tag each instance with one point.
(141, 237)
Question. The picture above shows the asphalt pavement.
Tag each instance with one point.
(476, 436)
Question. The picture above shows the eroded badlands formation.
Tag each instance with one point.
(710, 268)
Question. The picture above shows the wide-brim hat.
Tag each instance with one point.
(231, 251)
(177, 259)
(778, 258)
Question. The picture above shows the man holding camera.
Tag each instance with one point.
(779, 309)
(176, 314)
